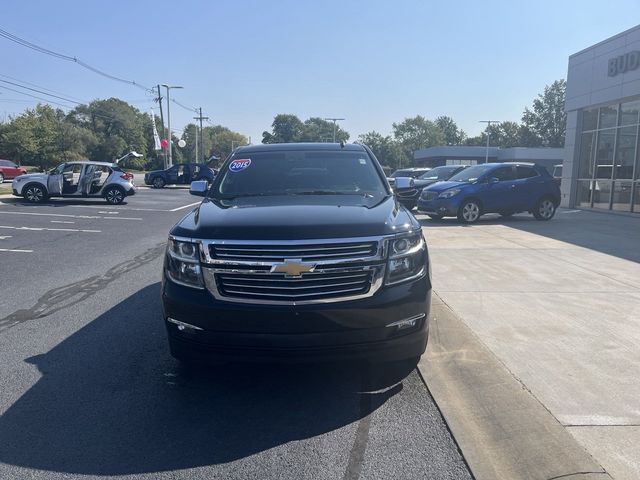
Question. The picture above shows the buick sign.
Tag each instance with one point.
(624, 63)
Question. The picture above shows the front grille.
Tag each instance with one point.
(308, 287)
(427, 195)
(278, 253)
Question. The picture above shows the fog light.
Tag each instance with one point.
(407, 322)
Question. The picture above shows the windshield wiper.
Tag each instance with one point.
(326, 192)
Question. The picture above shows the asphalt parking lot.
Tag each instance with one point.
(88, 389)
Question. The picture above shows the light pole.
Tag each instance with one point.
(488, 122)
(334, 120)
(169, 87)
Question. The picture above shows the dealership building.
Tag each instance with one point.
(601, 168)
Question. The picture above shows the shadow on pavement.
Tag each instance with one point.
(111, 401)
(612, 234)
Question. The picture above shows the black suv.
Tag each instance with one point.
(180, 174)
(298, 251)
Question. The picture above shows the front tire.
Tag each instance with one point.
(114, 195)
(34, 193)
(545, 209)
(158, 182)
(469, 211)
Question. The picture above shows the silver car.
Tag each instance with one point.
(76, 179)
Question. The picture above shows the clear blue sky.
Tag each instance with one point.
(372, 62)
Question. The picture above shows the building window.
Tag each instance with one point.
(609, 158)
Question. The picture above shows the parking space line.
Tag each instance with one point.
(60, 221)
(186, 206)
(4, 237)
(39, 229)
(89, 217)
(15, 250)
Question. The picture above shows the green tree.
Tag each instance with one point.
(219, 141)
(386, 150)
(452, 134)
(286, 128)
(316, 129)
(414, 134)
(545, 123)
(118, 126)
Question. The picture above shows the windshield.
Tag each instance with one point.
(439, 173)
(299, 173)
(471, 174)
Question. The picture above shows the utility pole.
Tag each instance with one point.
(169, 87)
(334, 120)
(488, 122)
(200, 117)
(161, 121)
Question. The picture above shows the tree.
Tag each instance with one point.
(545, 123)
(386, 150)
(416, 133)
(220, 141)
(286, 128)
(316, 129)
(452, 134)
(118, 126)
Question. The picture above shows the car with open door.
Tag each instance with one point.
(80, 179)
(180, 174)
(9, 170)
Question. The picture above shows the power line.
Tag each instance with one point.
(34, 96)
(61, 56)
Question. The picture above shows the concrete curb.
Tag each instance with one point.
(504, 432)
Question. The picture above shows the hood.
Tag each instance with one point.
(425, 183)
(442, 186)
(32, 176)
(296, 218)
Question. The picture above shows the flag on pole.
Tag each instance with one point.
(156, 138)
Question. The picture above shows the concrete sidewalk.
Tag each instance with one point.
(558, 303)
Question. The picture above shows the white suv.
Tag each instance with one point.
(76, 179)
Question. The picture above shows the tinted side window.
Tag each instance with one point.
(5, 163)
(503, 174)
(526, 172)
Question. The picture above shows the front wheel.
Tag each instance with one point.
(158, 182)
(469, 211)
(545, 209)
(35, 193)
(114, 195)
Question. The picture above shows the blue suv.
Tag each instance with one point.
(504, 188)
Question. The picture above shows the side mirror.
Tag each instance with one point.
(403, 183)
(199, 188)
(493, 180)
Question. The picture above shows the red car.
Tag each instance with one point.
(9, 170)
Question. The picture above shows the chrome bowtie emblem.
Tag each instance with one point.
(293, 268)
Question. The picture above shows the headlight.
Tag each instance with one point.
(183, 263)
(407, 258)
(449, 193)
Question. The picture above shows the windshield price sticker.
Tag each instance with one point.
(239, 164)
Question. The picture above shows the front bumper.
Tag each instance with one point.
(446, 207)
(353, 330)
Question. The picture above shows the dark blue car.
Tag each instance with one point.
(180, 174)
(504, 188)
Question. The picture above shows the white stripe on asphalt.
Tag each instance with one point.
(186, 206)
(4, 237)
(60, 221)
(87, 217)
(15, 250)
(39, 229)
(572, 211)
(125, 208)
